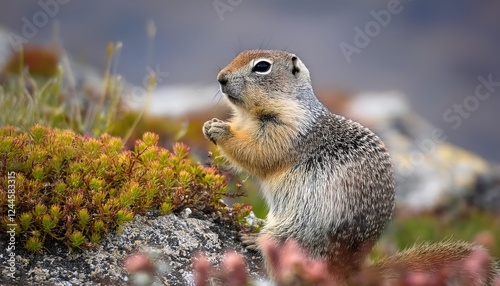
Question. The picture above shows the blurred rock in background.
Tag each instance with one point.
(431, 173)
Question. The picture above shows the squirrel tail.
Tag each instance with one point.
(436, 264)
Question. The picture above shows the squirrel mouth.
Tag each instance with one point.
(232, 98)
(231, 94)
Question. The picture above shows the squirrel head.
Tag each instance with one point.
(259, 78)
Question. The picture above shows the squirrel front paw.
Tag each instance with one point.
(215, 130)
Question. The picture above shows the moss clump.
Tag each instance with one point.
(76, 189)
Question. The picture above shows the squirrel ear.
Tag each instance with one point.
(295, 69)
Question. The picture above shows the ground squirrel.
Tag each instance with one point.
(327, 180)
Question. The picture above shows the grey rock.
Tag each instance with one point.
(169, 245)
(487, 190)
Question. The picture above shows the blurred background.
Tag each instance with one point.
(425, 75)
(432, 52)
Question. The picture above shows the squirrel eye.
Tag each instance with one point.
(262, 67)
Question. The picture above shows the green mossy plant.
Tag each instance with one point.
(75, 189)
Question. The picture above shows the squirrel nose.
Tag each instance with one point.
(222, 79)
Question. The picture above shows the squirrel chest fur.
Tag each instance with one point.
(327, 180)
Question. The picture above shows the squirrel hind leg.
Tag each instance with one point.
(345, 261)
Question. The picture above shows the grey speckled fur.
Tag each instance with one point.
(340, 193)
